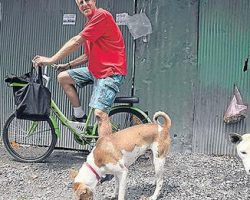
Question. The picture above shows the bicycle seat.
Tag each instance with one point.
(126, 100)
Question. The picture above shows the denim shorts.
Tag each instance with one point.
(104, 90)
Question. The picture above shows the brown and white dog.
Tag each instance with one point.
(115, 153)
(243, 148)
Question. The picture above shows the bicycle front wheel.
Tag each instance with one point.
(29, 141)
(124, 117)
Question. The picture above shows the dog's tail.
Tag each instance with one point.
(167, 120)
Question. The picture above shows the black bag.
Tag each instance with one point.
(14, 79)
(25, 78)
(33, 100)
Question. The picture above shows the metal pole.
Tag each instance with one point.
(133, 64)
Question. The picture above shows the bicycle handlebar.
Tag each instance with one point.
(45, 74)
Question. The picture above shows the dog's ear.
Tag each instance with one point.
(235, 138)
(82, 192)
(86, 196)
(73, 173)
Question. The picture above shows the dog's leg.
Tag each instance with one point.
(116, 187)
(122, 183)
(114, 196)
(159, 166)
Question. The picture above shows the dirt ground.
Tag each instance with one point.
(187, 177)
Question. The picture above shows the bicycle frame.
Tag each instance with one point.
(77, 128)
(122, 115)
(80, 129)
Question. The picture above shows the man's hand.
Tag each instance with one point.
(62, 67)
(39, 61)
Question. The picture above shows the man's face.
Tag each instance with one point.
(86, 7)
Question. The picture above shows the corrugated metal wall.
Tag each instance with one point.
(30, 28)
(36, 27)
(166, 65)
(186, 67)
(224, 44)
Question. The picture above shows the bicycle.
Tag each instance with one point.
(34, 141)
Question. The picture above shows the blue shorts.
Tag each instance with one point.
(104, 90)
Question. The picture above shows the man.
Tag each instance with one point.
(104, 52)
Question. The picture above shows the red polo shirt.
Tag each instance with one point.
(104, 45)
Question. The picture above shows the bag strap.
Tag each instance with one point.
(40, 75)
(39, 78)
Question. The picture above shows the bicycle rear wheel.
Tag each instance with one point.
(124, 117)
(29, 141)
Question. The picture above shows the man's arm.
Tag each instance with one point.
(69, 47)
(83, 59)
(78, 61)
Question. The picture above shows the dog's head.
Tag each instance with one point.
(243, 148)
(81, 191)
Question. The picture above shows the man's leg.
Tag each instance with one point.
(67, 79)
(103, 96)
(67, 84)
(104, 125)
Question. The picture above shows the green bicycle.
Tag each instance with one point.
(34, 141)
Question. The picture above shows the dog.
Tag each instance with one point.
(243, 148)
(113, 154)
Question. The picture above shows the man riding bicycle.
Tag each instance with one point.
(104, 52)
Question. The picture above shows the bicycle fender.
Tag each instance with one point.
(133, 108)
(55, 125)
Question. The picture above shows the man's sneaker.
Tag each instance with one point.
(108, 177)
(76, 119)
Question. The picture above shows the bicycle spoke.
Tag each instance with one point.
(29, 141)
(124, 118)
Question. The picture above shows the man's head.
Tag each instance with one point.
(243, 148)
(86, 7)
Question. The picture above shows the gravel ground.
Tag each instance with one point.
(187, 177)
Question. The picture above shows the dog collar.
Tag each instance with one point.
(93, 170)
